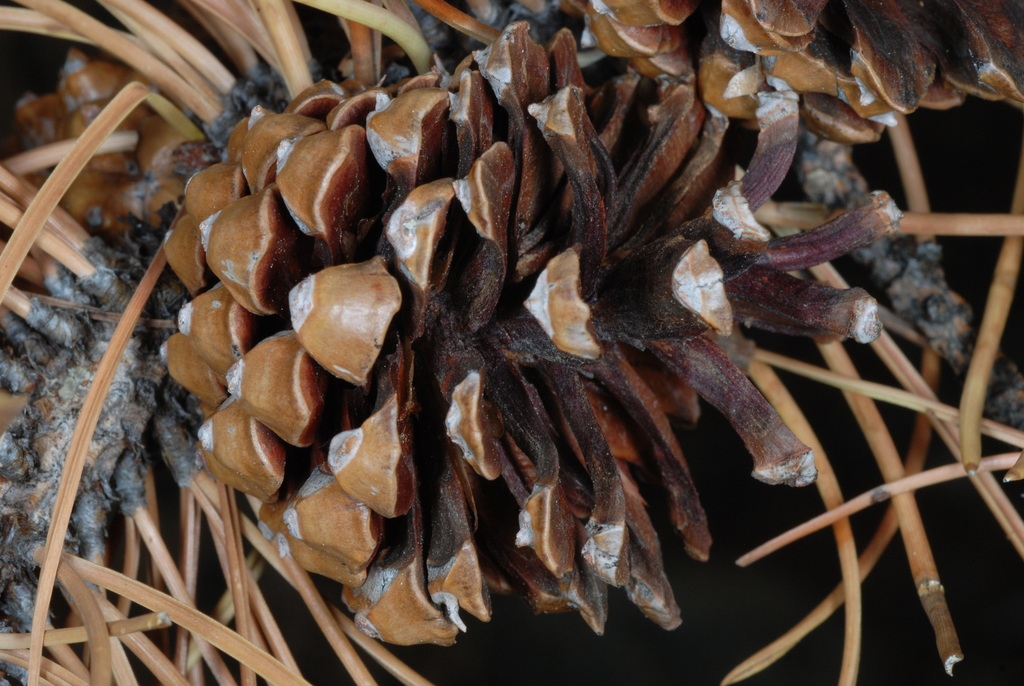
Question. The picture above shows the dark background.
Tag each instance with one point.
(969, 156)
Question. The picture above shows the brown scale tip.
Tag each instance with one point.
(278, 383)
(341, 315)
(556, 304)
(242, 452)
(324, 517)
(187, 368)
(1016, 472)
(228, 329)
(469, 427)
(369, 465)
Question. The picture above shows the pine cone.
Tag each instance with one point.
(116, 186)
(438, 322)
(854, 62)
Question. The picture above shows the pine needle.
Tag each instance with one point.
(143, 648)
(23, 193)
(78, 634)
(828, 486)
(67, 658)
(886, 394)
(202, 484)
(909, 165)
(191, 619)
(124, 673)
(803, 215)
(60, 236)
(85, 605)
(322, 615)
(29, 270)
(234, 45)
(181, 41)
(772, 652)
(17, 302)
(237, 571)
(158, 45)
(986, 349)
(896, 361)
(962, 224)
(460, 21)
(916, 454)
(52, 673)
(915, 540)
(876, 495)
(381, 20)
(48, 155)
(132, 558)
(162, 559)
(1016, 472)
(268, 623)
(381, 655)
(287, 45)
(226, 608)
(30, 21)
(993, 322)
(400, 8)
(239, 18)
(365, 47)
(189, 527)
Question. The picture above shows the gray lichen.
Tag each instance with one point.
(52, 356)
(911, 274)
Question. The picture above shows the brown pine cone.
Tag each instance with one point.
(435, 327)
(114, 186)
(854, 62)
